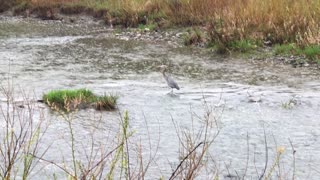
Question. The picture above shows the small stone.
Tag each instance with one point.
(71, 20)
(254, 99)
(146, 29)
(267, 43)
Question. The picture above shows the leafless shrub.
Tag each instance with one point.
(194, 144)
(24, 125)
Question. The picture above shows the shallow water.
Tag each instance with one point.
(42, 55)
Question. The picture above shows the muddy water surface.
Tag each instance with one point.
(247, 97)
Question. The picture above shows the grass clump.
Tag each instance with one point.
(311, 52)
(69, 100)
(242, 45)
(194, 36)
(59, 96)
(106, 102)
(284, 49)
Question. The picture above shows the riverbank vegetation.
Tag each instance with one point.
(69, 100)
(230, 25)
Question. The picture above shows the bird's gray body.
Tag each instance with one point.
(171, 83)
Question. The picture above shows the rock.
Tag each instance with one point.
(146, 29)
(40, 100)
(254, 99)
(267, 43)
(72, 20)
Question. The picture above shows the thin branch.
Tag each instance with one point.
(99, 162)
(294, 159)
(53, 163)
(266, 150)
(247, 164)
(185, 158)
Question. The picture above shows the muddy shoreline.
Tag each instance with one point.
(173, 36)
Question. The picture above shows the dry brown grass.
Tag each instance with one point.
(279, 21)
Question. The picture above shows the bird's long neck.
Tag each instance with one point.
(164, 74)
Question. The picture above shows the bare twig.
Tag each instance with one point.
(266, 150)
(53, 163)
(185, 158)
(247, 163)
(254, 162)
(102, 159)
(66, 171)
(294, 159)
(151, 157)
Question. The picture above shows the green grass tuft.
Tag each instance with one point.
(284, 49)
(59, 96)
(312, 52)
(106, 102)
(69, 100)
(242, 45)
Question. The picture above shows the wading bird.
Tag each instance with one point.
(171, 83)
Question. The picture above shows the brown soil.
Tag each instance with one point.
(53, 12)
(6, 4)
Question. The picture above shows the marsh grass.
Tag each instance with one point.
(69, 100)
(284, 49)
(106, 102)
(311, 52)
(230, 24)
(194, 36)
(242, 45)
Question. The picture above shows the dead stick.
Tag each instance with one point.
(185, 158)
